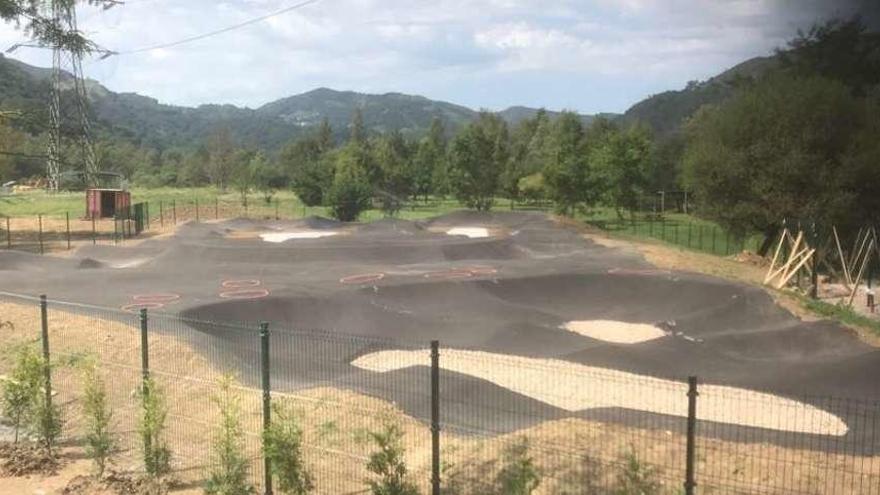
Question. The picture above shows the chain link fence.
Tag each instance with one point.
(470, 421)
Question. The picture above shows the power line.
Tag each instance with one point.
(214, 33)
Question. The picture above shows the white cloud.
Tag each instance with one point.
(477, 52)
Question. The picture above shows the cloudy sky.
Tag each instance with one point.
(586, 55)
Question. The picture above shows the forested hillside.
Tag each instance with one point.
(667, 111)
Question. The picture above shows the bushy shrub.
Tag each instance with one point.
(20, 390)
(99, 440)
(636, 478)
(388, 463)
(519, 475)
(282, 446)
(229, 474)
(154, 412)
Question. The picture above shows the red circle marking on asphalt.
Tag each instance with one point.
(155, 298)
(244, 294)
(450, 274)
(362, 279)
(240, 284)
(142, 305)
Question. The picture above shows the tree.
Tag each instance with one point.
(282, 446)
(388, 463)
(100, 443)
(221, 151)
(776, 150)
(570, 182)
(622, 161)
(151, 426)
(395, 182)
(47, 31)
(477, 158)
(310, 165)
(242, 175)
(350, 193)
(430, 161)
(528, 154)
(265, 176)
(358, 130)
(229, 472)
(842, 50)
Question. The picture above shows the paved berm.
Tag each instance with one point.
(342, 294)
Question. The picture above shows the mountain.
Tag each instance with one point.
(392, 111)
(145, 121)
(665, 112)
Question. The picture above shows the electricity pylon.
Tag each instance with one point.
(67, 61)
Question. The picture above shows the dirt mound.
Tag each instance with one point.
(316, 222)
(392, 226)
(116, 484)
(89, 263)
(23, 459)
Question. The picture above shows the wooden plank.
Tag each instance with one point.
(767, 278)
(861, 272)
(791, 274)
(848, 278)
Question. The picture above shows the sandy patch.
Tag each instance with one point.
(576, 387)
(470, 232)
(302, 234)
(617, 332)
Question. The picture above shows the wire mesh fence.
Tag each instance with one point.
(682, 231)
(474, 421)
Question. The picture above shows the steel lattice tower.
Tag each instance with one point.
(63, 14)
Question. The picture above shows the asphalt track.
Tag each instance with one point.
(400, 284)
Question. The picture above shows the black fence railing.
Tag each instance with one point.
(469, 421)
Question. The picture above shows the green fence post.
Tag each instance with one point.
(714, 231)
(663, 229)
(161, 215)
(174, 212)
(44, 337)
(67, 218)
(40, 232)
(435, 417)
(267, 400)
(147, 213)
(701, 237)
(690, 484)
(145, 374)
(690, 231)
(145, 350)
(276, 208)
(197, 210)
(216, 208)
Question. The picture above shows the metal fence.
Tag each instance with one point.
(682, 231)
(472, 422)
